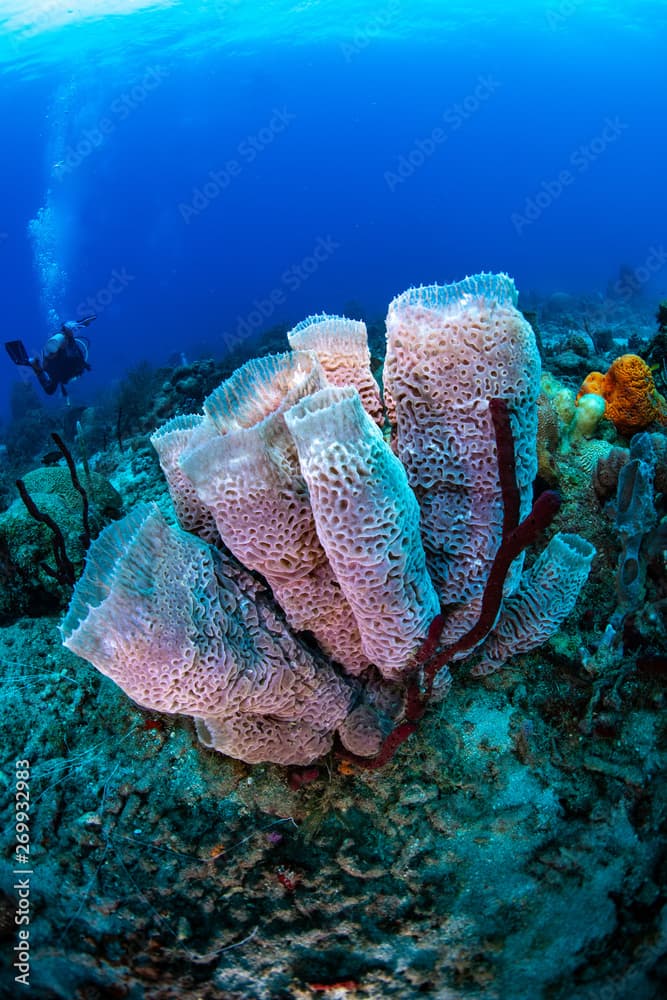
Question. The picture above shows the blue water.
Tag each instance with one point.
(196, 172)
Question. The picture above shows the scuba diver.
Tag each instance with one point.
(64, 356)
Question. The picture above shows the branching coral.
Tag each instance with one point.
(58, 491)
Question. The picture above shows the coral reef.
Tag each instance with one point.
(514, 848)
(508, 854)
(26, 546)
(630, 482)
(590, 410)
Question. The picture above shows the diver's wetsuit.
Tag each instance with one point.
(64, 356)
(60, 367)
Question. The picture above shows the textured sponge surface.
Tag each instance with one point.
(368, 522)
(182, 629)
(450, 349)
(171, 442)
(251, 482)
(341, 347)
(362, 540)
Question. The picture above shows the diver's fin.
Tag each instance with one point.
(17, 352)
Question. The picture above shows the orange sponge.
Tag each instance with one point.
(631, 398)
(592, 383)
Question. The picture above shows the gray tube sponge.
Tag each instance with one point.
(547, 594)
(635, 517)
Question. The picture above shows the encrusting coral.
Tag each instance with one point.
(632, 402)
(355, 537)
(589, 411)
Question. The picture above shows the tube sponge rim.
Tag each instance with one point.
(263, 387)
(498, 289)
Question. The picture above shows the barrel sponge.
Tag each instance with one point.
(450, 349)
(171, 441)
(183, 629)
(367, 519)
(261, 387)
(546, 596)
(251, 483)
(132, 615)
(341, 346)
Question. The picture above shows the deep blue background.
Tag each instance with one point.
(324, 177)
